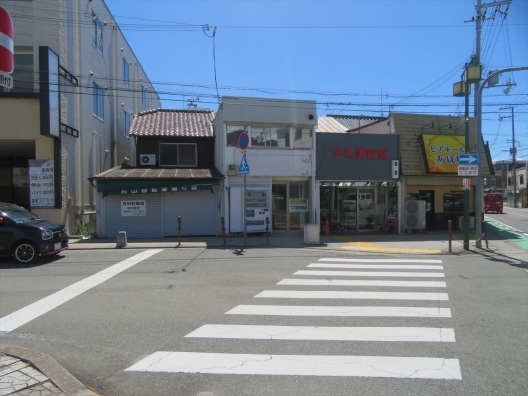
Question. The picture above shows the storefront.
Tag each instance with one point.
(149, 207)
(358, 179)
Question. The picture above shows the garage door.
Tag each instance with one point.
(146, 225)
(197, 210)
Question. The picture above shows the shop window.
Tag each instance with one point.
(453, 203)
(178, 154)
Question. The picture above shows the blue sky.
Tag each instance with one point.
(351, 56)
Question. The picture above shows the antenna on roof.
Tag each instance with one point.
(191, 102)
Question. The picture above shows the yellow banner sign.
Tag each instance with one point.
(441, 152)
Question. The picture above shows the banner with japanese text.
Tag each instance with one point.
(441, 152)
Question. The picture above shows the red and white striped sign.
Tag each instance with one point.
(466, 184)
(7, 60)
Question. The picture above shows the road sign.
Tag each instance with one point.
(468, 159)
(7, 57)
(243, 140)
(466, 184)
(243, 169)
(468, 170)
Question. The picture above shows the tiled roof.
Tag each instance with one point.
(354, 122)
(160, 122)
(121, 172)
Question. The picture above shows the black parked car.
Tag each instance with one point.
(25, 236)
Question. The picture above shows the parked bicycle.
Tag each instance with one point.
(335, 226)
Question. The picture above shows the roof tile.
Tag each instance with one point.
(161, 122)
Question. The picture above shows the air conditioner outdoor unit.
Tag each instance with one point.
(414, 215)
(231, 170)
(147, 159)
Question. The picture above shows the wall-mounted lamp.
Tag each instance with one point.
(412, 141)
(122, 104)
(449, 126)
(121, 49)
(430, 125)
(91, 73)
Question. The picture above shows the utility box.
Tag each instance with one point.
(311, 234)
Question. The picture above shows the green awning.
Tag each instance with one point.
(150, 186)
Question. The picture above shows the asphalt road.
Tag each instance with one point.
(512, 217)
(102, 312)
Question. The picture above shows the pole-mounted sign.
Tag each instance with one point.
(7, 57)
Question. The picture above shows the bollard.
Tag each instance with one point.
(267, 230)
(121, 239)
(179, 230)
(485, 233)
(450, 233)
(223, 229)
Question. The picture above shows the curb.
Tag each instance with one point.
(48, 366)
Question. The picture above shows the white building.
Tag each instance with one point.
(77, 85)
(280, 156)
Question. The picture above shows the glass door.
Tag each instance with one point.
(279, 200)
(366, 208)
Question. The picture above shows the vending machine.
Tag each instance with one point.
(257, 209)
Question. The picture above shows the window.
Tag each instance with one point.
(97, 34)
(233, 133)
(303, 138)
(126, 123)
(270, 137)
(98, 101)
(453, 203)
(23, 75)
(143, 96)
(126, 72)
(521, 180)
(178, 154)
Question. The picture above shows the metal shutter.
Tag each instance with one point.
(197, 210)
(149, 226)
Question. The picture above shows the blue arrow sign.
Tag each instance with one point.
(243, 169)
(468, 159)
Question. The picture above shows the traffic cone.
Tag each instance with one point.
(327, 227)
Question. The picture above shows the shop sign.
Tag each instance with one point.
(155, 190)
(442, 151)
(360, 153)
(298, 205)
(133, 208)
(41, 183)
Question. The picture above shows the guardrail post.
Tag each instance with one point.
(450, 233)
(179, 230)
(223, 229)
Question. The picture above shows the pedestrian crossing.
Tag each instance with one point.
(383, 302)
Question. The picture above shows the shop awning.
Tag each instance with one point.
(133, 187)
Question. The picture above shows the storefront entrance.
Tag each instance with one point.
(362, 208)
(289, 205)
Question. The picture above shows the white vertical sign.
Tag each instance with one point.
(41, 183)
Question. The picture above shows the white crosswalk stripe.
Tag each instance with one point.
(331, 274)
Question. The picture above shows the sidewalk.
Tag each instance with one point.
(27, 372)
(428, 242)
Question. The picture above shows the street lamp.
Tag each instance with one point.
(471, 75)
(479, 193)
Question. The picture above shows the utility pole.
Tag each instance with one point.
(513, 152)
